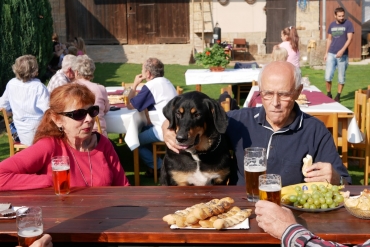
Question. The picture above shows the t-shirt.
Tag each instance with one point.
(339, 35)
(154, 96)
(293, 57)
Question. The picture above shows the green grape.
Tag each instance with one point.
(314, 187)
(299, 198)
(310, 201)
(302, 201)
(306, 205)
(315, 196)
(296, 204)
(297, 188)
(329, 194)
(305, 197)
(338, 198)
(335, 188)
(312, 206)
(329, 201)
(323, 189)
(322, 200)
(292, 198)
(316, 202)
(321, 186)
(309, 195)
(300, 193)
(324, 206)
(332, 205)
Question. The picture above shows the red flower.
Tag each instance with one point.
(208, 53)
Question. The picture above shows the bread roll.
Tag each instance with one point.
(307, 162)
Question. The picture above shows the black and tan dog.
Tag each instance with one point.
(200, 124)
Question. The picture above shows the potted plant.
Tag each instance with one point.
(213, 58)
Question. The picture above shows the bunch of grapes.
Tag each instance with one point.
(322, 197)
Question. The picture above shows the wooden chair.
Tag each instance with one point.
(363, 149)
(97, 121)
(14, 147)
(239, 45)
(331, 122)
(227, 89)
(179, 90)
(226, 105)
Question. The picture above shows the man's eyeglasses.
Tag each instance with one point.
(268, 95)
(80, 114)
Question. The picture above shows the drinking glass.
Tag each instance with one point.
(253, 66)
(254, 166)
(270, 188)
(61, 174)
(126, 92)
(29, 225)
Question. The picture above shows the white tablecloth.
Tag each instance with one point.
(205, 76)
(125, 121)
(354, 134)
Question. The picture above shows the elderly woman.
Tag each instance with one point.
(65, 130)
(84, 69)
(26, 97)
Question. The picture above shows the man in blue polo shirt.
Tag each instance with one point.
(283, 129)
(153, 96)
(340, 33)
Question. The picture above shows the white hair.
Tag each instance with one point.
(68, 62)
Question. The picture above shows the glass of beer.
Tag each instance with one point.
(270, 188)
(254, 166)
(29, 225)
(61, 174)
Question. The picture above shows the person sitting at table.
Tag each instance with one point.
(64, 75)
(280, 223)
(279, 53)
(65, 130)
(153, 96)
(84, 68)
(26, 97)
(283, 129)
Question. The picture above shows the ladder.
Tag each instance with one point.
(202, 18)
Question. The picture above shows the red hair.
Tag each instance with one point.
(59, 99)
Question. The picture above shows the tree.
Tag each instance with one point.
(26, 27)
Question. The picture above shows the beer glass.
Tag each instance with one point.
(254, 166)
(61, 174)
(270, 188)
(29, 225)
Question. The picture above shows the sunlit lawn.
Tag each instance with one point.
(110, 74)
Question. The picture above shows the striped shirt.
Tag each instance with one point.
(28, 101)
(57, 80)
(298, 236)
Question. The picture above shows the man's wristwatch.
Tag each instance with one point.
(341, 180)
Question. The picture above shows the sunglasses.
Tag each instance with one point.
(80, 114)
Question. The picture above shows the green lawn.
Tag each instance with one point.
(111, 74)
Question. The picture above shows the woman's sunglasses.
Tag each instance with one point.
(80, 114)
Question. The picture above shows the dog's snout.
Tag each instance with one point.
(181, 138)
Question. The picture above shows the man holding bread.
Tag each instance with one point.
(288, 134)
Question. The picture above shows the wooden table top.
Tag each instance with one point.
(134, 215)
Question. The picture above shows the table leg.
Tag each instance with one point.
(344, 142)
(136, 167)
(198, 88)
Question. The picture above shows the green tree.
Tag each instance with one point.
(26, 27)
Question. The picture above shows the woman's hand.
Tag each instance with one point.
(169, 137)
(44, 241)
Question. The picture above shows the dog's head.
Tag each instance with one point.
(196, 119)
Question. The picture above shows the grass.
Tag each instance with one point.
(112, 74)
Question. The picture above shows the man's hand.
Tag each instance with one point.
(326, 56)
(322, 172)
(169, 137)
(138, 79)
(339, 54)
(273, 219)
(45, 241)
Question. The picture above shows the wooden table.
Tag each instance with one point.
(133, 215)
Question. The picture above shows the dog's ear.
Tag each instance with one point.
(218, 114)
(169, 112)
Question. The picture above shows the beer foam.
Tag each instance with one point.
(270, 187)
(60, 168)
(255, 168)
(30, 232)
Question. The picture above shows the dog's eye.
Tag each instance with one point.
(197, 115)
(178, 114)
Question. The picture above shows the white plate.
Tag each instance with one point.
(13, 216)
(242, 225)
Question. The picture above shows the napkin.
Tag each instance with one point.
(354, 133)
(6, 210)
